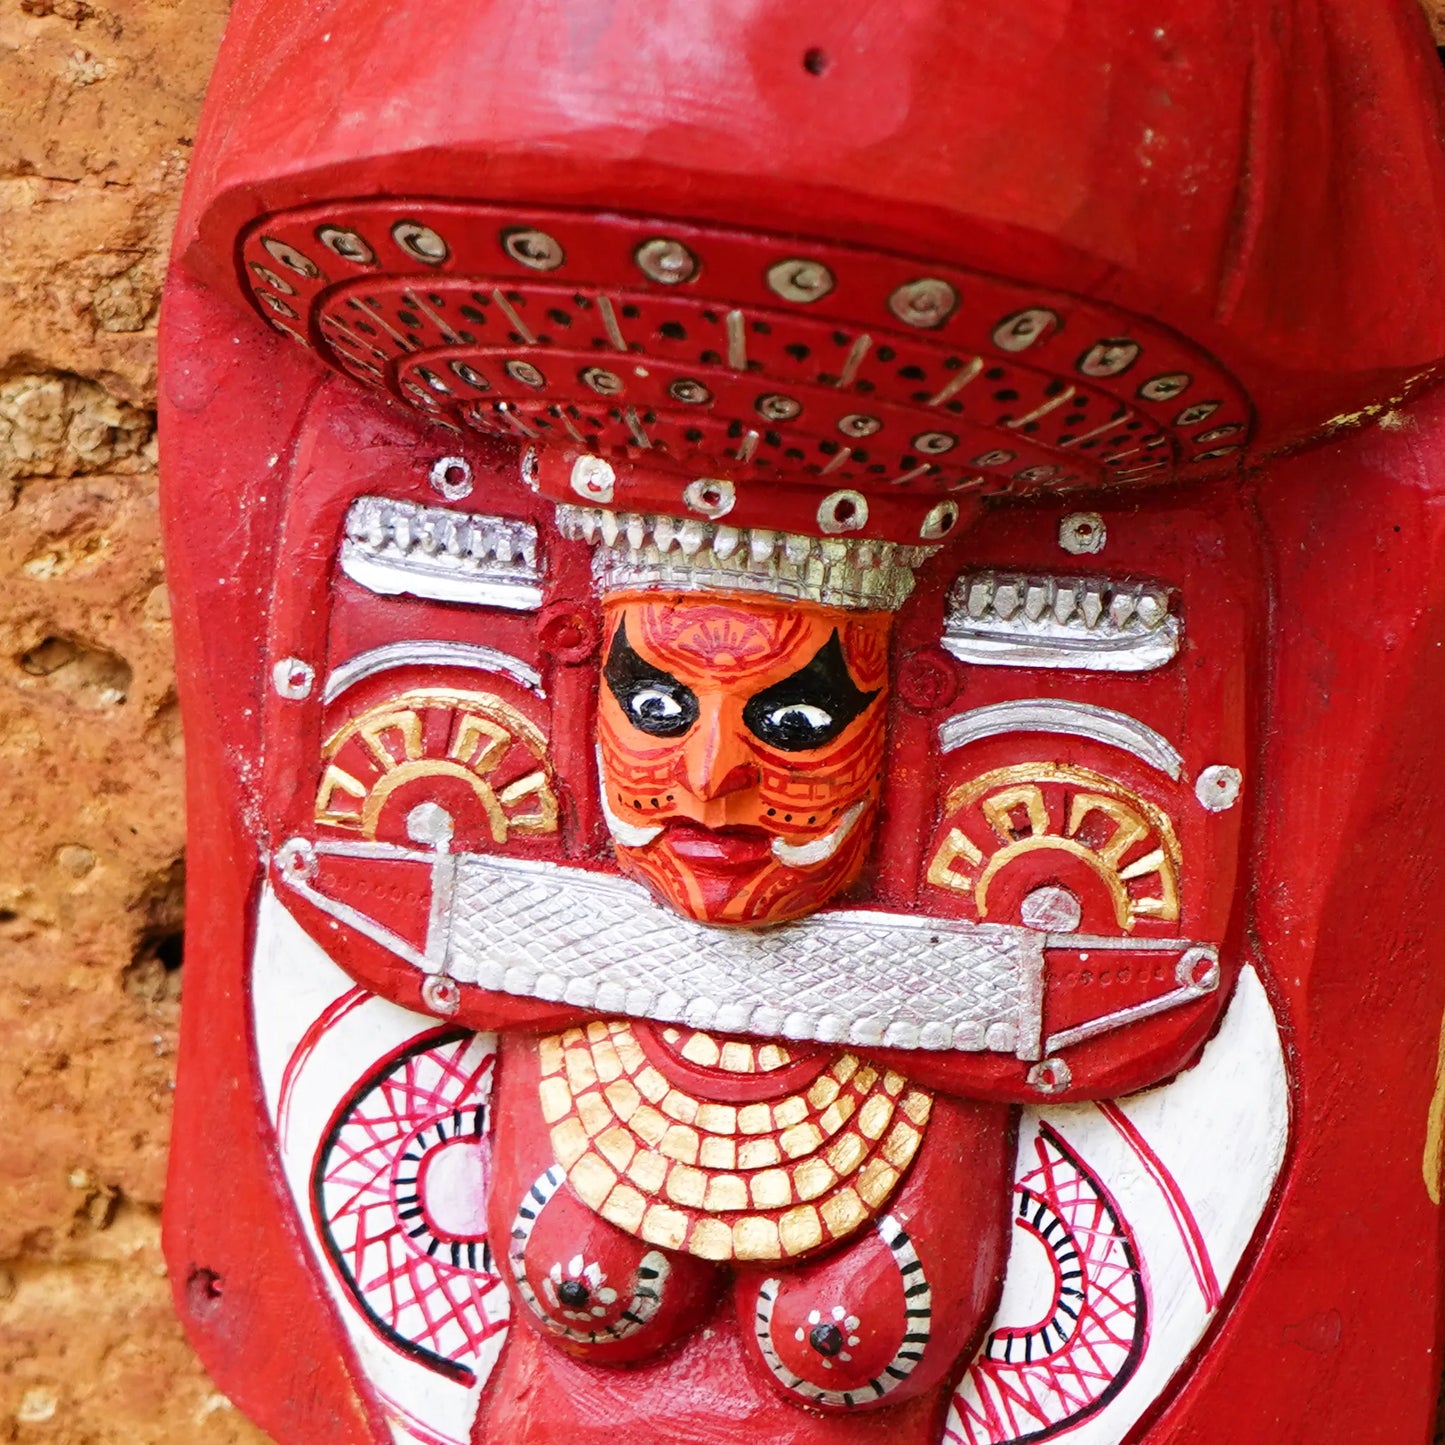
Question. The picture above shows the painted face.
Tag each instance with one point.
(741, 742)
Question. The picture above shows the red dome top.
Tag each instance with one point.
(1264, 181)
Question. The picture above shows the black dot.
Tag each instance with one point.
(814, 818)
(921, 397)
(710, 317)
(877, 468)
(864, 386)
(794, 454)
(827, 1338)
(908, 463)
(693, 435)
(1030, 427)
(637, 803)
(772, 812)
(886, 353)
(787, 817)
(912, 373)
(1074, 418)
(994, 373)
(573, 1293)
(826, 378)
(631, 312)
(815, 61)
(673, 330)
(840, 338)
(829, 449)
(1054, 387)
(798, 351)
(956, 407)
(1006, 394)
(762, 328)
(953, 363)
(772, 438)
(710, 358)
(558, 317)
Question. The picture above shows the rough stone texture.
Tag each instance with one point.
(97, 106)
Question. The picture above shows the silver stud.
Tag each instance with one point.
(934, 443)
(593, 479)
(1051, 1076)
(1037, 474)
(293, 679)
(710, 497)
(1193, 415)
(1109, 358)
(602, 381)
(1217, 787)
(666, 261)
(998, 458)
(689, 392)
(526, 373)
(939, 522)
(1214, 453)
(926, 303)
(1218, 433)
(471, 376)
(1198, 969)
(1166, 387)
(433, 380)
(420, 242)
(451, 477)
(774, 407)
(269, 278)
(291, 258)
(441, 994)
(799, 280)
(1019, 331)
(347, 244)
(857, 424)
(843, 511)
(534, 249)
(1052, 909)
(1082, 533)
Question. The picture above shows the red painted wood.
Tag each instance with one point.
(1252, 195)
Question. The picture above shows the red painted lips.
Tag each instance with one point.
(721, 850)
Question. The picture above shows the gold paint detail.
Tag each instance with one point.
(432, 734)
(1128, 842)
(769, 1180)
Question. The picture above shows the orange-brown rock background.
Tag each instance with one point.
(98, 104)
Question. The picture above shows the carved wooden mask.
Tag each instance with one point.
(792, 837)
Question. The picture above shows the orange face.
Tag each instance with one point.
(741, 743)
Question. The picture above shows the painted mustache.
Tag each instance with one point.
(735, 846)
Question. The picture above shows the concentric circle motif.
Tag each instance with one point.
(399, 1194)
(767, 1180)
(1036, 1381)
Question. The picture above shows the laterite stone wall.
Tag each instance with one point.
(98, 103)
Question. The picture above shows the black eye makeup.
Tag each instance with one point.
(655, 702)
(811, 707)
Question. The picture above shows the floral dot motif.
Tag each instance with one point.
(578, 1290)
(832, 1334)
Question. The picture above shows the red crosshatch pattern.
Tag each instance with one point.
(426, 1291)
(1031, 1383)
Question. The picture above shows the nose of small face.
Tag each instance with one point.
(716, 766)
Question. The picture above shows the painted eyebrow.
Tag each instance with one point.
(825, 681)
